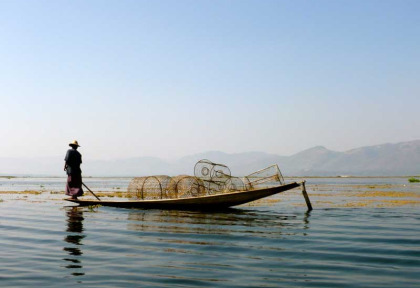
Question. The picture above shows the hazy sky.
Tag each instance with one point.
(173, 78)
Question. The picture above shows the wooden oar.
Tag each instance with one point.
(91, 191)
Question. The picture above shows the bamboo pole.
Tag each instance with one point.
(305, 195)
(91, 191)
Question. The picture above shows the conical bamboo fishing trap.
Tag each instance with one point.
(209, 179)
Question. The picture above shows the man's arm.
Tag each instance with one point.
(66, 159)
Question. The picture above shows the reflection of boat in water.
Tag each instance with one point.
(201, 202)
(179, 222)
(212, 187)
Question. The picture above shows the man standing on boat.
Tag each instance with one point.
(74, 173)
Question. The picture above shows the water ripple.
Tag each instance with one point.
(48, 245)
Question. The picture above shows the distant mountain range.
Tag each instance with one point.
(401, 159)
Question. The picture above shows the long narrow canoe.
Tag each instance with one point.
(217, 201)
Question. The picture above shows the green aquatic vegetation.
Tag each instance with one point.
(413, 180)
(32, 192)
(121, 194)
(93, 208)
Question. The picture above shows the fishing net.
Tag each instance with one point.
(209, 178)
(214, 176)
(265, 178)
(235, 184)
(149, 187)
(209, 171)
(185, 186)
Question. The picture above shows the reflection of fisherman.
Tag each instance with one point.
(74, 239)
(72, 167)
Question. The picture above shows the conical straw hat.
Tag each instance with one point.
(74, 143)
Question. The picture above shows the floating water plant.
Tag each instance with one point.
(8, 177)
(413, 180)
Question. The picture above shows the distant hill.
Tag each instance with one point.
(380, 160)
(399, 159)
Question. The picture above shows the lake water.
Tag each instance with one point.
(363, 232)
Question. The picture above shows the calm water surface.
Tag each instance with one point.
(47, 243)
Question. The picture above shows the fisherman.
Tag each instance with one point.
(74, 174)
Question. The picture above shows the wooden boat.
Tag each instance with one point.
(217, 201)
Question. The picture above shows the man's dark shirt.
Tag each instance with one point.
(73, 160)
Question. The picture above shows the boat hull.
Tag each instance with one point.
(218, 201)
